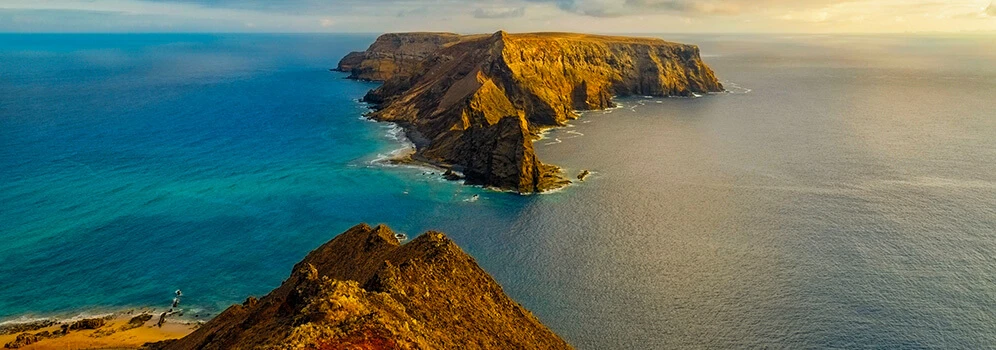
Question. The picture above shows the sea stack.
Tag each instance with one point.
(365, 290)
(475, 103)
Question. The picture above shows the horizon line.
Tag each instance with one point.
(977, 32)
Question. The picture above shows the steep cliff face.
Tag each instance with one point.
(477, 102)
(364, 290)
(395, 54)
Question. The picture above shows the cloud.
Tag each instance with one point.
(618, 8)
(702, 8)
(606, 16)
(506, 12)
(420, 11)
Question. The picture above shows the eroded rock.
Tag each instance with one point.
(365, 290)
(478, 101)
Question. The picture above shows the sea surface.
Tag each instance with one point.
(842, 194)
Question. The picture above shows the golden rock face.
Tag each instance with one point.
(476, 102)
(393, 54)
(365, 290)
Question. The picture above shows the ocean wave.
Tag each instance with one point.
(734, 88)
(613, 108)
(396, 133)
(385, 159)
(938, 182)
(181, 316)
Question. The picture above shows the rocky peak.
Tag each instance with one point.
(364, 290)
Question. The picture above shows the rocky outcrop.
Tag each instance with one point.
(476, 103)
(12, 328)
(365, 290)
(393, 55)
(88, 323)
(22, 340)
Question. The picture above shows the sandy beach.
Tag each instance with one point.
(114, 334)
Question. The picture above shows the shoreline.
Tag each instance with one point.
(407, 156)
(183, 315)
(124, 329)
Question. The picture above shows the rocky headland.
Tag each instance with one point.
(475, 103)
(366, 290)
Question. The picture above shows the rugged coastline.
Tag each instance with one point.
(364, 289)
(475, 103)
(118, 330)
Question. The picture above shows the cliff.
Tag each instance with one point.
(475, 103)
(395, 54)
(364, 290)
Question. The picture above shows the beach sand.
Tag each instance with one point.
(99, 339)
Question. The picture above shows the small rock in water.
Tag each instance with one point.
(452, 176)
(583, 175)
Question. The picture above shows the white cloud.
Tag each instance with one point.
(500, 12)
(490, 15)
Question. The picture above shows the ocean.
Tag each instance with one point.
(841, 194)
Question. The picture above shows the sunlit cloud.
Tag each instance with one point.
(501, 12)
(467, 16)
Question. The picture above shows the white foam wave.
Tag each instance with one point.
(395, 133)
(939, 182)
(734, 88)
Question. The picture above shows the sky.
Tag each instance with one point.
(480, 16)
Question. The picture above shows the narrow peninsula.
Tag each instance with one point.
(475, 103)
(366, 290)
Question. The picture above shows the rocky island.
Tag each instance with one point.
(475, 103)
(366, 290)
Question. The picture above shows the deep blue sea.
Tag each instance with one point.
(841, 195)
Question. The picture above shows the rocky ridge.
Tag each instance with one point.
(475, 103)
(365, 290)
(393, 54)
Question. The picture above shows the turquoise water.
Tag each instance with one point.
(133, 165)
(842, 195)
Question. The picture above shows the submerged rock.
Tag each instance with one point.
(452, 176)
(479, 100)
(584, 174)
(365, 290)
